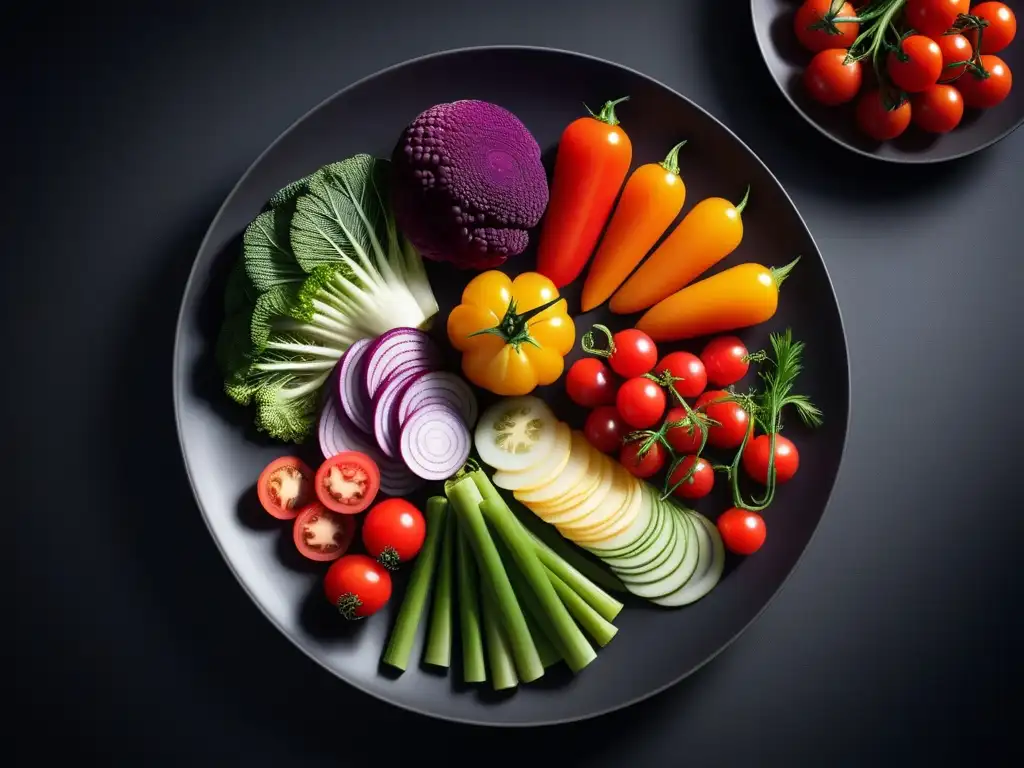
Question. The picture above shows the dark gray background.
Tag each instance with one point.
(898, 634)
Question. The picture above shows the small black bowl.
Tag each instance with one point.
(786, 60)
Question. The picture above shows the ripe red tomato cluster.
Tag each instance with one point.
(630, 395)
(925, 73)
(324, 507)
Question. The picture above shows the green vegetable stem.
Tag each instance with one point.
(473, 669)
(439, 641)
(499, 650)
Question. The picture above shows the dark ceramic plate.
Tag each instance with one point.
(786, 60)
(223, 455)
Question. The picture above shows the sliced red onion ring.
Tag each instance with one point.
(336, 434)
(396, 349)
(352, 385)
(438, 387)
(385, 423)
(435, 442)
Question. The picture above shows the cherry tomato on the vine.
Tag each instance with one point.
(697, 485)
(810, 14)
(644, 466)
(687, 369)
(357, 586)
(733, 420)
(829, 79)
(743, 532)
(725, 360)
(634, 353)
(880, 119)
(987, 89)
(1001, 29)
(393, 532)
(684, 439)
(917, 65)
(604, 428)
(955, 49)
(640, 402)
(933, 17)
(589, 383)
(938, 109)
(757, 451)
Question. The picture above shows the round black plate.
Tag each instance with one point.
(786, 60)
(547, 89)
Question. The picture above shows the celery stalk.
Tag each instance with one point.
(592, 622)
(606, 605)
(465, 498)
(473, 669)
(403, 634)
(499, 651)
(439, 639)
(535, 619)
(565, 635)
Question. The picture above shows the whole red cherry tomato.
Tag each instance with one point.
(1001, 29)
(604, 428)
(809, 16)
(987, 87)
(631, 352)
(956, 49)
(733, 420)
(757, 451)
(357, 585)
(589, 383)
(743, 532)
(640, 402)
(916, 65)
(644, 466)
(683, 439)
(879, 118)
(393, 532)
(725, 360)
(933, 17)
(687, 372)
(697, 485)
(832, 80)
(938, 109)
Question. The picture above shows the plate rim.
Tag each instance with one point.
(908, 160)
(178, 380)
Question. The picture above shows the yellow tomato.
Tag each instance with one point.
(513, 334)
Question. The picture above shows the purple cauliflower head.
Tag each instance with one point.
(468, 184)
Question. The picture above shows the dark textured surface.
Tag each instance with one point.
(897, 636)
(223, 455)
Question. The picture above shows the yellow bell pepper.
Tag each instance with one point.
(513, 334)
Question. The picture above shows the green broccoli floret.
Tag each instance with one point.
(286, 405)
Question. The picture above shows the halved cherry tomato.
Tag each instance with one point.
(640, 402)
(393, 532)
(988, 88)
(604, 428)
(933, 17)
(321, 534)
(880, 119)
(358, 586)
(688, 371)
(757, 451)
(917, 65)
(644, 466)
(589, 383)
(810, 13)
(743, 532)
(697, 485)
(347, 482)
(285, 486)
(830, 79)
(938, 109)
(733, 420)
(633, 353)
(956, 49)
(683, 439)
(1001, 29)
(725, 360)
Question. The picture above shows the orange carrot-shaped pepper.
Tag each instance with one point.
(651, 200)
(707, 234)
(734, 298)
(593, 158)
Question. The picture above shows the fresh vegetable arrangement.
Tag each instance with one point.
(530, 524)
(920, 62)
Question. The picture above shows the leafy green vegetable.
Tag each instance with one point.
(321, 267)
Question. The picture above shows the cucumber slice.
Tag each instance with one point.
(644, 528)
(620, 521)
(587, 505)
(673, 581)
(515, 433)
(544, 470)
(661, 563)
(644, 557)
(583, 489)
(571, 476)
(703, 581)
(611, 508)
